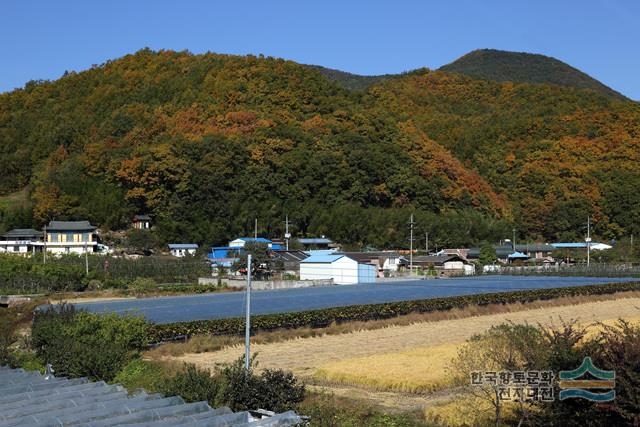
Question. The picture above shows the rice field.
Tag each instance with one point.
(421, 370)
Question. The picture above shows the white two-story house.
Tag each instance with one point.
(70, 237)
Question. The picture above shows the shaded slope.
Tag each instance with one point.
(351, 81)
(503, 66)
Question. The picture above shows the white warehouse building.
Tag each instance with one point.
(342, 269)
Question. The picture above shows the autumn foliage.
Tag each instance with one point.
(208, 142)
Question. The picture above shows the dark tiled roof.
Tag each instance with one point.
(369, 256)
(70, 226)
(142, 218)
(23, 232)
(534, 247)
(28, 399)
(314, 241)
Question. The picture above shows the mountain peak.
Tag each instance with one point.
(522, 67)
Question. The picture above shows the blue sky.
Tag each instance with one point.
(42, 39)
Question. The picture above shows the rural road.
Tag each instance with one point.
(231, 304)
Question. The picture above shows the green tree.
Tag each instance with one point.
(487, 254)
(78, 343)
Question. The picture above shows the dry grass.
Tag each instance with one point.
(206, 343)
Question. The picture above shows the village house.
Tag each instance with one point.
(70, 237)
(445, 265)
(383, 261)
(182, 249)
(22, 241)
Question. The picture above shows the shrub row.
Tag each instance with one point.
(67, 272)
(325, 317)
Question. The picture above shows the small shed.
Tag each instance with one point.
(342, 269)
(182, 249)
(141, 222)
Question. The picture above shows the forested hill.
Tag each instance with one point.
(520, 67)
(206, 143)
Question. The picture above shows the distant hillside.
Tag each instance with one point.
(352, 81)
(503, 66)
(207, 143)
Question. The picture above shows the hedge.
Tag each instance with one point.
(324, 317)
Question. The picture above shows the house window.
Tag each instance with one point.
(16, 249)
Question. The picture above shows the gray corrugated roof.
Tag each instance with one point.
(70, 226)
(28, 399)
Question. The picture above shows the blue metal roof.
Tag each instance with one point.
(183, 246)
(572, 245)
(253, 239)
(518, 255)
(325, 259)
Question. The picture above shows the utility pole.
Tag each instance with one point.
(255, 229)
(411, 244)
(426, 242)
(287, 236)
(513, 242)
(247, 329)
(588, 240)
(86, 258)
(44, 252)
